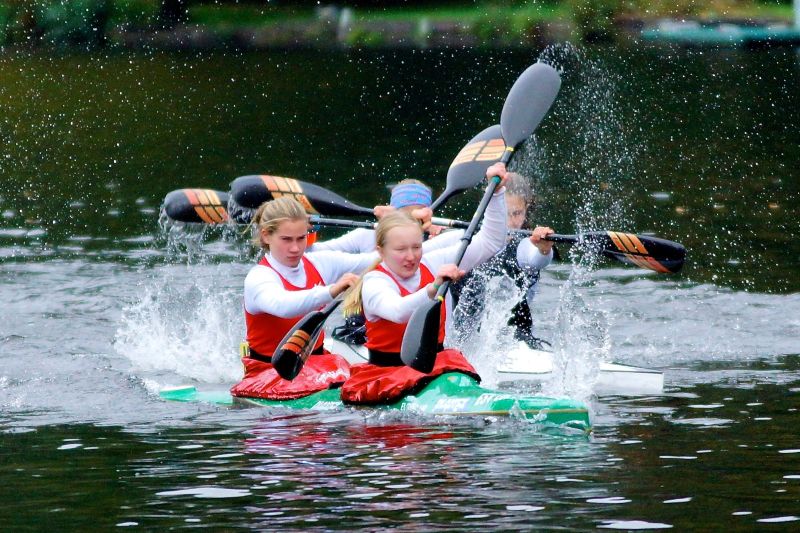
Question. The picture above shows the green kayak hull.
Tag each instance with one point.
(450, 394)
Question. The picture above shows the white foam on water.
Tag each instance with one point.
(188, 321)
(616, 500)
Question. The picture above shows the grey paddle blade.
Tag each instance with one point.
(421, 339)
(528, 101)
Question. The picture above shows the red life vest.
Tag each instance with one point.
(387, 336)
(265, 331)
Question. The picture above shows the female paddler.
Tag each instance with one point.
(285, 285)
(396, 285)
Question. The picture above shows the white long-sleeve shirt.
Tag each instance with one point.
(362, 240)
(528, 255)
(264, 291)
(380, 294)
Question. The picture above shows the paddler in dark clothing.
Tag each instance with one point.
(520, 259)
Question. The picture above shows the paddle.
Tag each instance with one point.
(526, 105)
(249, 192)
(197, 205)
(643, 251)
(652, 253)
(252, 191)
(469, 167)
(297, 344)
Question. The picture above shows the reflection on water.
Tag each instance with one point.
(262, 469)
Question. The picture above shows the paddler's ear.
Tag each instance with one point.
(265, 236)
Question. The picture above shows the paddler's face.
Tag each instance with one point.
(402, 250)
(287, 243)
(516, 210)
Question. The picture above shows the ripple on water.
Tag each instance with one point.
(207, 492)
(633, 524)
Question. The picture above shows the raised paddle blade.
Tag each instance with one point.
(528, 101)
(469, 167)
(421, 339)
(205, 206)
(252, 191)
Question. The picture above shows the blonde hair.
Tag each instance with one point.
(352, 304)
(271, 214)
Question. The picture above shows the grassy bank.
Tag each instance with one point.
(91, 22)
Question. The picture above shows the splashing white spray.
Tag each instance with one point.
(188, 320)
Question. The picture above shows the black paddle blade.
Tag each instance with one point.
(528, 101)
(643, 251)
(205, 206)
(421, 338)
(469, 167)
(295, 347)
(252, 191)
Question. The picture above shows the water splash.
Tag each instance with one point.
(484, 339)
(188, 317)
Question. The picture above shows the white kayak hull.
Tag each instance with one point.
(537, 366)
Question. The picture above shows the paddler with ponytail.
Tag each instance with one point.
(278, 291)
(403, 279)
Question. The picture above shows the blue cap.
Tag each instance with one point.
(406, 194)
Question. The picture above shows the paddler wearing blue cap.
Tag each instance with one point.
(409, 195)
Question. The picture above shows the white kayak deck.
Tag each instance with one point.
(530, 365)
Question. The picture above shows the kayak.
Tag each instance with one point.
(523, 364)
(450, 394)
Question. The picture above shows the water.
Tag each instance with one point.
(100, 308)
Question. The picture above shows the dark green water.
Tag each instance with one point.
(100, 309)
(717, 132)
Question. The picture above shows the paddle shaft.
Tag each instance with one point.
(473, 227)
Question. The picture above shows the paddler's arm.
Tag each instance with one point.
(264, 293)
(381, 299)
(443, 240)
(360, 240)
(487, 242)
(536, 256)
(333, 265)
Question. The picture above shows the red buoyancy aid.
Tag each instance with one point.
(320, 372)
(371, 384)
(387, 336)
(265, 331)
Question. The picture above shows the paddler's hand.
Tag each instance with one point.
(433, 231)
(537, 238)
(498, 169)
(381, 211)
(446, 272)
(345, 282)
(423, 214)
